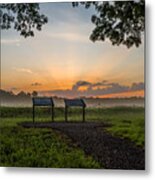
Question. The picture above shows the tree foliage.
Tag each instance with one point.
(23, 17)
(122, 22)
(34, 94)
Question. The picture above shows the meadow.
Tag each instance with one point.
(36, 147)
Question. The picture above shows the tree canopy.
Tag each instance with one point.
(24, 17)
(122, 22)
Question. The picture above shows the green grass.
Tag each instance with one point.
(32, 147)
(127, 123)
(48, 148)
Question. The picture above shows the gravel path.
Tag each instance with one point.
(112, 152)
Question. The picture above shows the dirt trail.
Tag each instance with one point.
(112, 152)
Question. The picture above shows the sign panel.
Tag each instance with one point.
(75, 102)
(42, 101)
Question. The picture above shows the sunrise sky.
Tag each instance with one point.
(61, 60)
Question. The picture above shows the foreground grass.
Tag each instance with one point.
(47, 148)
(21, 147)
(126, 122)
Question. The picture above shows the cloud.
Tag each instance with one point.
(97, 84)
(81, 83)
(10, 42)
(73, 37)
(102, 88)
(25, 70)
(14, 89)
(36, 84)
(137, 86)
(102, 84)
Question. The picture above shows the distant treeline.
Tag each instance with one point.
(11, 98)
(22, 98)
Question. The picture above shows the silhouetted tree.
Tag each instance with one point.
(122, 22)
(29, 94)
(24, 17)
(11, 93)
(22, 94)
(34, 94)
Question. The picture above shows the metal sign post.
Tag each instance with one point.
(43, 101)
(74, 103)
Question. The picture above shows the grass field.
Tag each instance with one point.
(48, 148)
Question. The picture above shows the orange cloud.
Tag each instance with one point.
(139, 93)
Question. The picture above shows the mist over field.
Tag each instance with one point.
(25, 100)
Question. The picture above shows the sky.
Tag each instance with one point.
(61, 60)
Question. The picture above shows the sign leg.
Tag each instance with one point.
(52, 113)
(83, 114)
(33, 113)
(66, 113)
